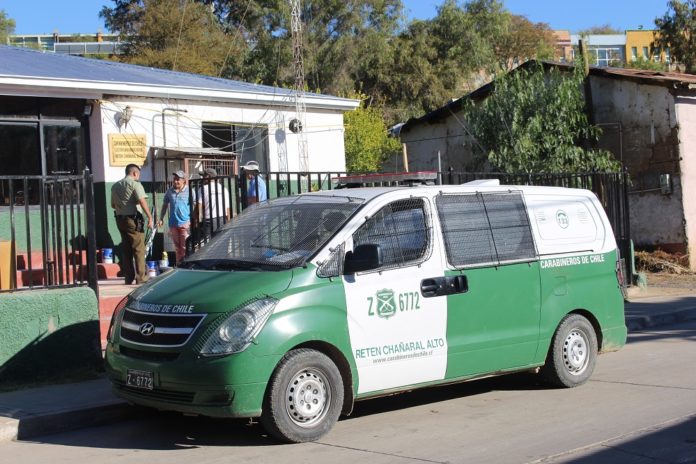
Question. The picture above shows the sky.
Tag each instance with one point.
(73, 16)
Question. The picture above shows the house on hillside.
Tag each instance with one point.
(60, 114)
(648, 121)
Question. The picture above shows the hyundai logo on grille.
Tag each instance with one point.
(147, 329)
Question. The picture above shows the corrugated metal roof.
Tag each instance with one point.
(655, 77)
(16, 62)
(671, 79)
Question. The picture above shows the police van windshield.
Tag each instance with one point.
(277, 234)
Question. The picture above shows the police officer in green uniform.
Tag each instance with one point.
(126, 195)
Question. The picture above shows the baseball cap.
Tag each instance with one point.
(251, 166)
(208, 172)
(180, 174)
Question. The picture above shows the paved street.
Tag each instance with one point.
(639, 407)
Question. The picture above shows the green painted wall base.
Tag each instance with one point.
(48, 334)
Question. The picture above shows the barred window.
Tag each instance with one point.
(485, 228)
(402, 231)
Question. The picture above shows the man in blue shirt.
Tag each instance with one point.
(177, 201)
(257, 187)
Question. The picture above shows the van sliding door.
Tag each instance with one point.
(494, 324)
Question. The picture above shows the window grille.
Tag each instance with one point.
(283, 232)
(333, 266)
(485, 228)
(401, 229)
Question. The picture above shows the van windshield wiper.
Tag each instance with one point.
(199, 264)
(233, 264)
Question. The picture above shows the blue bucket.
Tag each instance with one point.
(107, 255)
(152, 268)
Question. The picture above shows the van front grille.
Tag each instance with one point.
(155, 356)
(155, 329)
(169, 396)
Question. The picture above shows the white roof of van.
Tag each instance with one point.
(368, 193)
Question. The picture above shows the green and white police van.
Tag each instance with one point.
(303, 305)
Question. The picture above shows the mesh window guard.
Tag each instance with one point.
(401, 229)
(283, 232)
(490, 228)
(333, 266)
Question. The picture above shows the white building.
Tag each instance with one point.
(61, 113)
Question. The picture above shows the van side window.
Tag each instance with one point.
(402, 231)
(485, 228)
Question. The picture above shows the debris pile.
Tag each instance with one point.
(661, 261)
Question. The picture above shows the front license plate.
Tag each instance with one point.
(140, 379)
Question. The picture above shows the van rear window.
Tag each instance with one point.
(485, 228)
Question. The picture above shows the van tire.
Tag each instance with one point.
(573, 353)
(295, 418)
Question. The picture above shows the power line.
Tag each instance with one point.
(178, 41)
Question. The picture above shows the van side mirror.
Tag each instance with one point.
(363, 258)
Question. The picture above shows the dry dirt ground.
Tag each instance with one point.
(686, 282)
(665, 272)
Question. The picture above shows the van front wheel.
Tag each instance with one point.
(573, 352)
(304, 397)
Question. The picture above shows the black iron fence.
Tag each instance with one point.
(611, 189)
(47, 223)
(47, 232)
(215, 201)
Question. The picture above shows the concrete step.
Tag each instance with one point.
(111, 292)
(107, 305)
(104, 271)
(36, 259)
(25, 278)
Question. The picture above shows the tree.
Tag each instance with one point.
(171, 34)
(345, 41)
(442, 58)
(642, 63)
(367, 143)
(534, 121)
(7, 27)
(523, 40)
(600, 30)
(677, 31)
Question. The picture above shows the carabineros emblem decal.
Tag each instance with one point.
(386, 305)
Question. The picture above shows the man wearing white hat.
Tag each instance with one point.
(257, 187)
(177, 201)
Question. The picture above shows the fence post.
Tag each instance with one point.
(623, 176)
(93, 277)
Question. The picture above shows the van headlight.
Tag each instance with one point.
(237, 331)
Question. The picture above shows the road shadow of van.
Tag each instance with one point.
(522, 381)
(157, 430)
(152, 430)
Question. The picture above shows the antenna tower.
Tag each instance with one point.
(298, 124)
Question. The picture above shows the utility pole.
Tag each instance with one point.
(298, 124)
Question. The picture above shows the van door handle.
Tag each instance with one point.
(430, 287)
(441, 286)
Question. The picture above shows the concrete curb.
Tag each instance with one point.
(638, 323)
(24, 426)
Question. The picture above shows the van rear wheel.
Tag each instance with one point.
(304, 397)
(573, 353)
